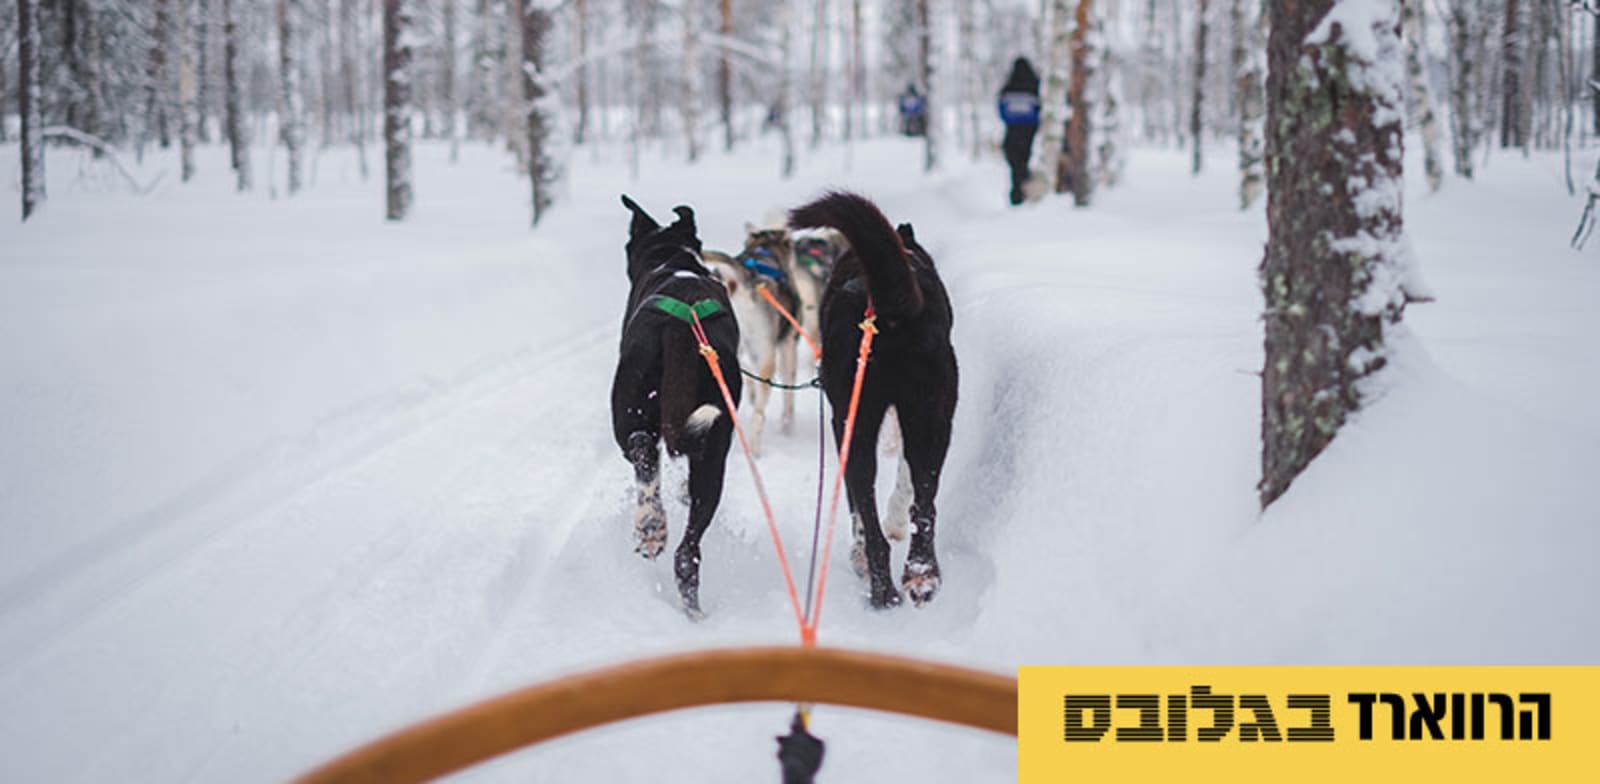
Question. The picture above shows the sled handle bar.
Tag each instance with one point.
(538, 713)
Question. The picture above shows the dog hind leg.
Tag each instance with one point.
(706, 473)
(927, 439)
(649, 517)
(859, 477)
(897, 517)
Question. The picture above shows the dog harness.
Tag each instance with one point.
(748, 259)
(682, 311)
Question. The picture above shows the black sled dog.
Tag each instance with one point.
(912, 370)
(663, 389)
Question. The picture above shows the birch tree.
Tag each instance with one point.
(725, 77)
(28, 53)
(1247, 70)
(1053, 98)
(447, 80)
(187, 98)
(1511, 78)
(580, 131)
(690, 74)
(1079, 150)
(238, 130)
(930, 98)
(1335, 250)
(396, 108)
(157, 90)
(1197, 106)
(1421, 96)
(786, 86)
(1465, 66)
(292, 131)
(535, 26)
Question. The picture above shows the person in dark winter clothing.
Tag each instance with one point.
(913, 112)
(1019, 109)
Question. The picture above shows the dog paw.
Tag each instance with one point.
(858, 559)
(897, 523)
(650, 531)
(884, 596)
(921, 580)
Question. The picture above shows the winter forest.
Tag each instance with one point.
(1276, 323)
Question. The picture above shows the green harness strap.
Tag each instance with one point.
(681, 310)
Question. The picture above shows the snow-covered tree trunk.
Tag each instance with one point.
(1248, 54)
(352, 41)
(158, 100)
(238, 129)
(483, 119)
(690, 74)
(725, 77)
(1053, 98)
(397, 108)
(28, 96)
(819, 72)
(187, 108)
(1335, 258)
(970, 88)
(86, 105)
(1594, 71)
(1421, 97)
(930, 97)
(203, 67)
(535, 26)
(581, 131)
(1197, 106)
(1079, 151)
(786, 86)
(1112, 131)
(1465, 32)
(292, 129)
(447, 80)
(855, 73)
(1511, 78)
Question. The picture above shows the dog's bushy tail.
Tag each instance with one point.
(685, 416)
(894, 289)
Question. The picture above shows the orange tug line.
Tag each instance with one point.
(808, 626)
(816, 350)
(710, 355)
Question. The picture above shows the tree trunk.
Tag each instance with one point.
(854, 120)
(930, 99)
(397, 108)
(291, 99)
(725, 78)
(28, 54)
(1421, 96)
(85, 109)
(352, 41)
(451, 97)
(1511, 78)
(535, 24)
(157, 85)
(1079, 150)
(1594, 73)
(581, 132)
(1247, 61)
(203, 66)
(1196, 116)
(187, 108)
(1053, 100)
(1334, 262)
(238, 130)
(691, 78)
(819, 70)
(1465, 30)
(786, 86)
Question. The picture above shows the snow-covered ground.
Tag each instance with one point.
(276, 477)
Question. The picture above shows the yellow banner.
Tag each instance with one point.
(1308, 724)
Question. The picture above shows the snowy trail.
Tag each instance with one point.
(314, 478)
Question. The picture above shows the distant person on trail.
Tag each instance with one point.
(913, 112)
(1019, 109)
